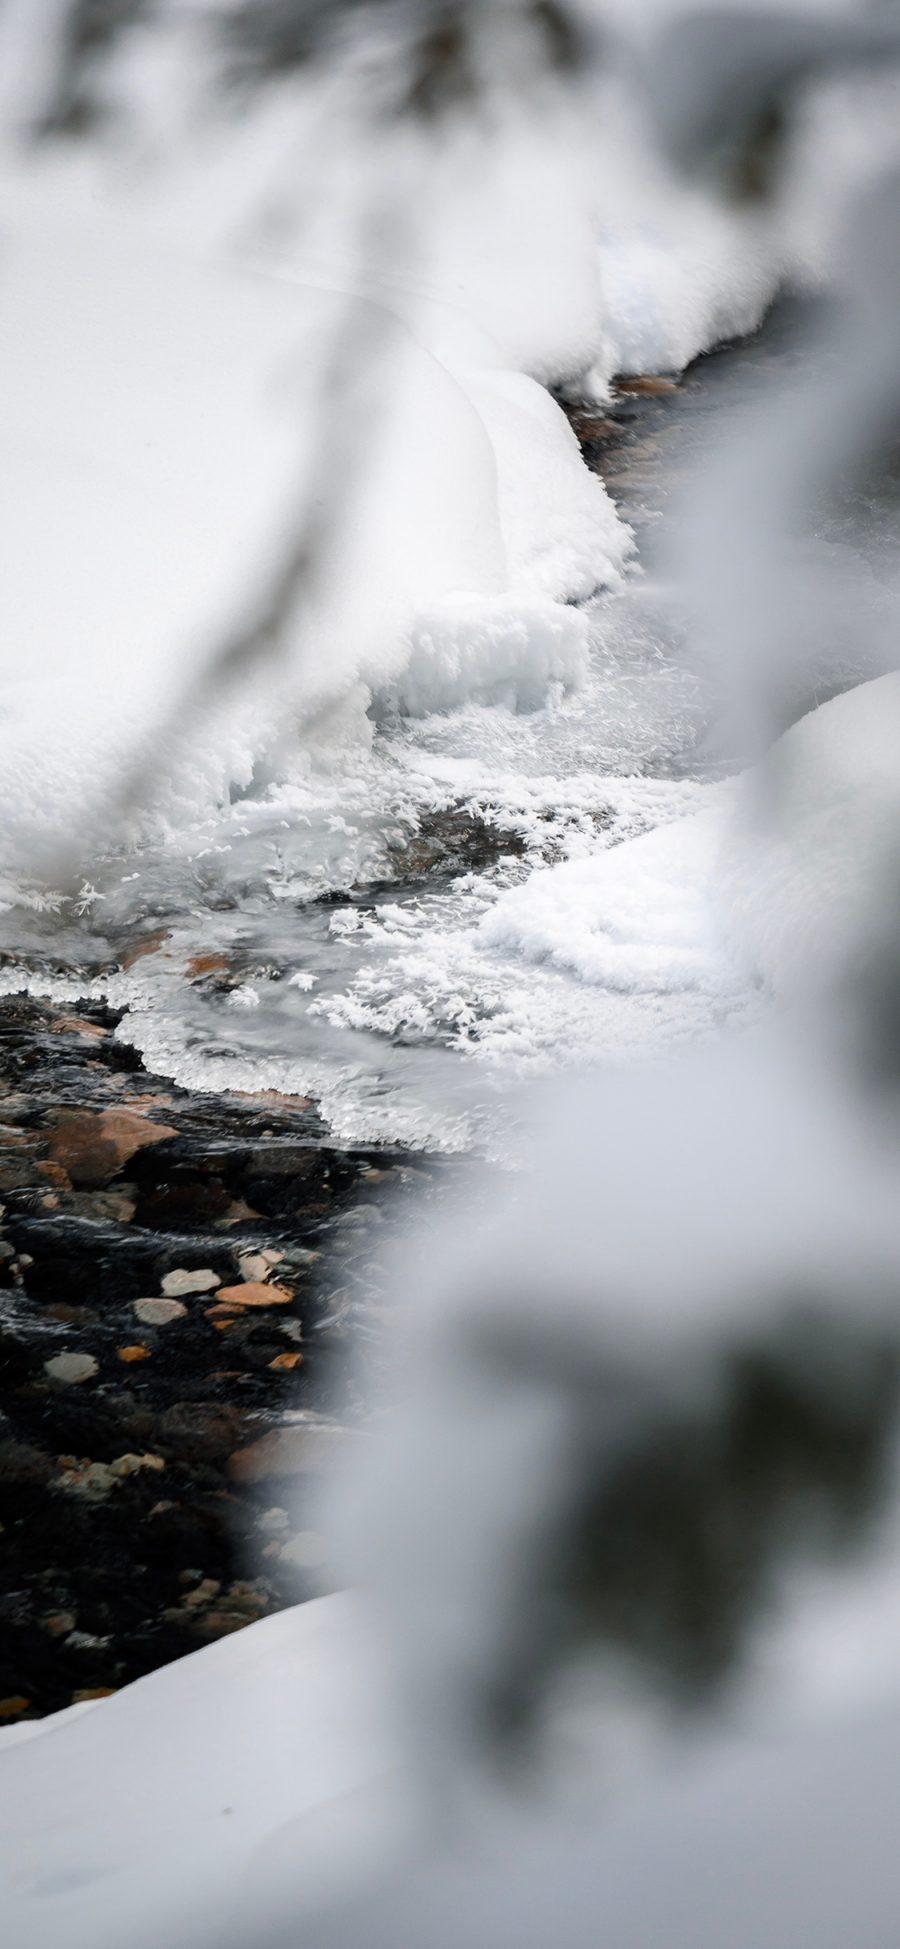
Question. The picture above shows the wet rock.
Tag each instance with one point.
(221, 1623)
(149, 945)
(71, 1368)
(78, 1025)
(13, 1707)
(22, 1466)
(274, 1521)
(255, 1292)
(646, 382)
(182, 1280)
(59, 1623)
(159, 1312)
(203, 1593)
(68, 1315)
(206, 964)
(286, 1452)
(254, 1266)
(284, 1363)
(117, 1206)
(91, 1479)
(133, 1353)
(199, 1430)
(91, 1146)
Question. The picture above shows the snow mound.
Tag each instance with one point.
(811, 859)
(140, 1819)
(639, 917)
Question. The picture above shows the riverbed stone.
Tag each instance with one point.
(185, 1280)
(159, 1312)
(71, 1368)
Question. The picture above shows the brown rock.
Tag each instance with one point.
(59, 1623)
(86, 1694)
(129, 1354)
(646, 382)
(254, 1292)
(238, 1213)
(148, 945)
(199, 1430)
(220, 1624)
(286, 1451)
(92, 1145)
(75, 1025)
(204, 964)
(285, 1362)
(12, 1708)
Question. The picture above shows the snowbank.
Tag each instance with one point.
(810, 865)
(143, 1818)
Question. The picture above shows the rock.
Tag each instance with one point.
(184, 1281)
(255, 1293)
(205, 1591)
(271, 1255)
(253, 1266)
(148, 945)
(77, 1025)
(646, 382)
(286, 1451)
(248, 1597)
(95, 1480)
(220, 1624)
(205, 964)
(115, 1205)
(239, 1213)
(13, 1707)
(199, 1430)
(125, 1465)
(59, 1623)
(305, 1551)
(274, 1521)
(21, 1466)
(132, 1353)
(86, 1641)
(158, 1312)
(93, 1145)
(284, 1363)
(86, 1694)
(71, 1368)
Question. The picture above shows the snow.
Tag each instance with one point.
(811, 856)
(113, 1828)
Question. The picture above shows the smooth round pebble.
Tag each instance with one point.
(72, 1367)
(158, 1312)
(183, 1281)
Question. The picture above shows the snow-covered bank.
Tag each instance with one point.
(170, 300)
(254, 1761)
(473, 623)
